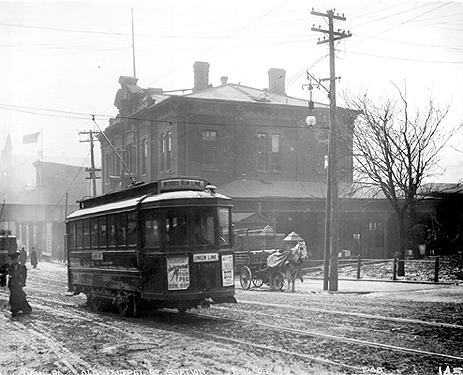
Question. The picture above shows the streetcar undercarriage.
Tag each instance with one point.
(130, 303)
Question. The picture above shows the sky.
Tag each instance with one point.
(61, 61)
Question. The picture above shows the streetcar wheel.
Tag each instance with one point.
(257, 280)
(96, 303)
(181, 309)
(245, 277)
(126, 308)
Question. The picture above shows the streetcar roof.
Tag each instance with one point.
(132, 203)
(185, 194)
(125, 204)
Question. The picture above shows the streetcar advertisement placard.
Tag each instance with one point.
(178, 273)
(227, 270)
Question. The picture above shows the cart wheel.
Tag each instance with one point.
(245, 277)
(257, 280)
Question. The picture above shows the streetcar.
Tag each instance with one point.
(8, 245)
(164, 244)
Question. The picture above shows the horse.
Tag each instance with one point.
(293, 264)
(288, 263)
(275, 268)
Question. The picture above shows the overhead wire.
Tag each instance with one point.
(214, 46)
(404, 22)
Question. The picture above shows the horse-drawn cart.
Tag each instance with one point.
(252, 268)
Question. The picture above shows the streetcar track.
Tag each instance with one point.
(213, 336)
(42, 302)
(283, 351)
(355, 314)
(332, 337)
(301, 332)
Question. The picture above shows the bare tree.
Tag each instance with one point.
(396, 148)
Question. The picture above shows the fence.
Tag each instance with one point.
(356, 264)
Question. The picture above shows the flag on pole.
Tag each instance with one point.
(31, 138)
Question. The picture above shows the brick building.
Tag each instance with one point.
(253, 144)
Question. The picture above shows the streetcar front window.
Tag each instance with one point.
(176, 228)
(224, 223)
(204, 226)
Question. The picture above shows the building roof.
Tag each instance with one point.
(253, 189)
(237, 93)
(250, 218)
(436, 188)
(234, 92)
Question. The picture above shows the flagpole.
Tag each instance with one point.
(133, 46)
(41, 145)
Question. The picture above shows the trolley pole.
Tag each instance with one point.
(91, 170)
(330, 281)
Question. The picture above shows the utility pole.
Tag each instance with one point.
(91, 170)
(133, 47)
(331, 214)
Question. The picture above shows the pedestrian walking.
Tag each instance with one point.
(60, 254)
(23, 256)
(17, 274)
(33, 258)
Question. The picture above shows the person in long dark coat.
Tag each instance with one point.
(23, 256)
(34, 258)
(17, 275)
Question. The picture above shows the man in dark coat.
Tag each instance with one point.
(17, 274)
(23, 256)
(34, 258)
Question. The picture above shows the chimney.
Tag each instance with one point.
(223, 80)
(201, 75)
(276, 81)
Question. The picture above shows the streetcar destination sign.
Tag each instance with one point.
(173, 184)
(214, 257)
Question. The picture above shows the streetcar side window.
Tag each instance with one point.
(86, 233)
(121, 229)
(94, 233)
(224, 226)
(79, 234)
(131, 229)
(103, 231)
(112, 230)
(151, 227)
(71, 235)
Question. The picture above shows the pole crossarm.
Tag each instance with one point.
(91, 170)
(329, 13)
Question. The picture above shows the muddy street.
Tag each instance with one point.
(264, 333)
